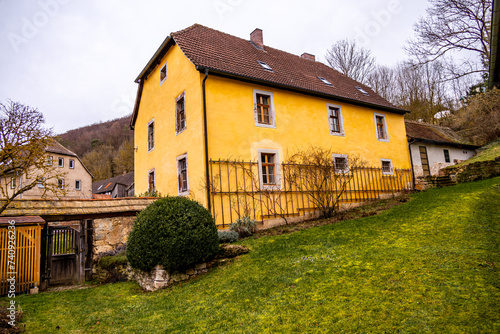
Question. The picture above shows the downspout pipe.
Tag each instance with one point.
(205, 127)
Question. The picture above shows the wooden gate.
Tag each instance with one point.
(19, 253)
(68, 254)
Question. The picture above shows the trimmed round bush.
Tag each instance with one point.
(174, 232)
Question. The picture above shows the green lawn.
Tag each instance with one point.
(428, 266)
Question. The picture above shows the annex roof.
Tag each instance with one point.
(435, 134)
(227, 55)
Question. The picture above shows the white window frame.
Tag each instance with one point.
(183, 97)
(272, 113)
(72, 163)
(386, 129)
(341, 119)
(185, 192)
(277, 169)
(50, 160)
(60, 183)
(152, 171)
(152, 146)
(342, 171)
(382, 166)
(12, 183)
(78, 185)
(60, 162)
(163, 69)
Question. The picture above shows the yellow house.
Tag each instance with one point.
(207, 96)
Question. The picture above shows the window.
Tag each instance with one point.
(264, 109)
(265, 66)
(180, 113)
(61, 162)
(269, 169)
(71, 163)
(78, 185)
(50, 159)
(151, 135)
(341, 163)
(182, 175)
(446, 156)
(40, 183)
(151, 181)
(387, 167)
(381, 127)
(60, 183)
(12, 183)
(163, 73)
(362, 90)
(325, 81)
(335, 120)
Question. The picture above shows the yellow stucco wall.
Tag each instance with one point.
(301, 121)
(158, 103)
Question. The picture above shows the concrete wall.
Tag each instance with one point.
(436, 157)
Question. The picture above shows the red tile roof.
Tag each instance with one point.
(225, 54)
(434, 133)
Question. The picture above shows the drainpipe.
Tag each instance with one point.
(411, 162)
(207, 175)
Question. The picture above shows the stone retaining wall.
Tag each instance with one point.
(111, 233)
(476, 171)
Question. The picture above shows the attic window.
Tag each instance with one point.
(264, 65)
(362, 90)
(325, 81)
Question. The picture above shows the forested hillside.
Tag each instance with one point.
(106, 148)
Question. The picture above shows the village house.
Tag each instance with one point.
(115, 187)
(76, 181)
(434, 147)
(206, 95)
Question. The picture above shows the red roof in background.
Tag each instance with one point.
(435, 133)
(233, 56)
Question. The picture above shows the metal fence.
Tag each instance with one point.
(237, 189)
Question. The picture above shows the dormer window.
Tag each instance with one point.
(326, 82)
(264, 65)
(362, 90)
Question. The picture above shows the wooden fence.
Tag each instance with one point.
(20, 255)
(237, 189)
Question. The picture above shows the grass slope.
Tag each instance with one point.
(486, 153)
(427, 266)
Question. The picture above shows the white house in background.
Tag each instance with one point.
(434, 147)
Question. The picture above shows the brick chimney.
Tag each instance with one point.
(257, 38)
(308, 56)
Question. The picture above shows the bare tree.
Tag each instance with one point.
(479, 120)
(23, 143)
(452, 26)
(349, 59)
(322, 178)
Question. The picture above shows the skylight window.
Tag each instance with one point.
(264, 65)
(362, 90)
(325, 81)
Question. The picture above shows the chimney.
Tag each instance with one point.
(308, 56)
(257, 39)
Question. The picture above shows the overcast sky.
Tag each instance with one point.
(76, 61)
